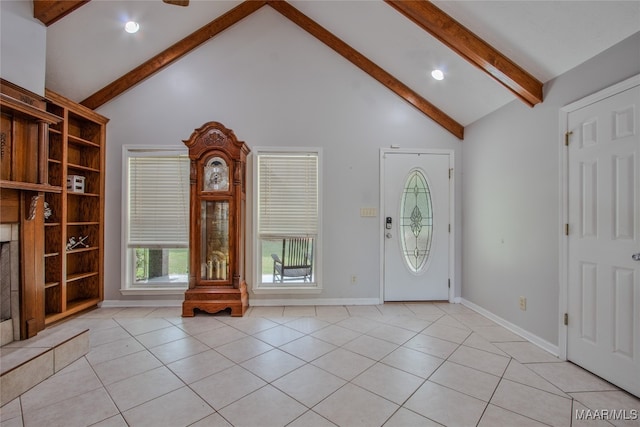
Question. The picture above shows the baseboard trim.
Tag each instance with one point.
(253, 302)
(114, 303)
(543, 344)
(312, 301)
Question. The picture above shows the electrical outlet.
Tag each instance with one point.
(523, 303)
(354, 279)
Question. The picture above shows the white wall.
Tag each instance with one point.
(511, 193)
(275, 85)
(23, 46)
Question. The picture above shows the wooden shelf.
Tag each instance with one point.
(75, 251)
(75, 193)
(81, 304)
(29, 186)
(80, 276)
(73, 307)
(51, 284)
(80, 167)
(83, 223)
(76, 140)
(51, 254)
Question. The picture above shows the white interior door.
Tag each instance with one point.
(416, 226)
(603, 333)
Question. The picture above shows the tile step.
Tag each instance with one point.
(24, 364)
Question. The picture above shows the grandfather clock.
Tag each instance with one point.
(217, 222)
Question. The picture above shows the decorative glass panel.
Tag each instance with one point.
(416, 221)
(216, 175)
(215, 240)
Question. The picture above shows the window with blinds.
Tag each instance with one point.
(287, 203)
(288, 194)
(158, 200)
(156, 217)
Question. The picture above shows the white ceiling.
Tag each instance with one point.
(88, 49)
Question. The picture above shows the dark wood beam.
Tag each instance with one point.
(368, 67)
(171, 54)
(49, 11)
(475, 50)
(245, 9)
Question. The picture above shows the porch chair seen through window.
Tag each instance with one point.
(295, 263)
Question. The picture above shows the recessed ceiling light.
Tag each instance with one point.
(131, 27)
(437, 74)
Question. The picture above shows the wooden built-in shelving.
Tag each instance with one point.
(74, 277)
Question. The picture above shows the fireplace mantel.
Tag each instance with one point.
(23, 182)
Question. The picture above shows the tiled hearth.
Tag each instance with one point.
(24, 364)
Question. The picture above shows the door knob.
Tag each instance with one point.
(389, 236)
(636, 257)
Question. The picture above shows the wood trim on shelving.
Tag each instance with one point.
(77, 108)
(29, 186)
(8, 103)
(472, 48)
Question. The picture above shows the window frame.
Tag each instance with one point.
(128, 284)
(260, 287)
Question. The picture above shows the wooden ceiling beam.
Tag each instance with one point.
(368, 67)
(172, 53)
(475, 50)
(49, 11)
(245, 9)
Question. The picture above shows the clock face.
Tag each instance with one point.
(216, 175)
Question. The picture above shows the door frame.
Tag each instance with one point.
(563, 300)
(452, 233)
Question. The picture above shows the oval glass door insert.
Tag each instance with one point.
(416, 221)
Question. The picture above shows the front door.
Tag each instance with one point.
(603, 332)
(416, 226)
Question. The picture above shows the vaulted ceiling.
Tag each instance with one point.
(491, 51)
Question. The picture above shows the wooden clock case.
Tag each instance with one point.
(217, 222)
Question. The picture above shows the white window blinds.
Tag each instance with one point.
(158, 200)
(288, 194)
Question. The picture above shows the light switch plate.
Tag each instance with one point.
(368, 212)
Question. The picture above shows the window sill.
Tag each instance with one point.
(154, 290)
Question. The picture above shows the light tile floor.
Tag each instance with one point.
(422, 364)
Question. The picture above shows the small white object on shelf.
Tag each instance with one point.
(75, 244)
(75, 183)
